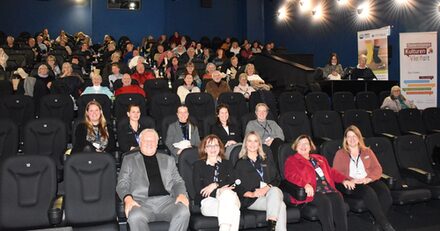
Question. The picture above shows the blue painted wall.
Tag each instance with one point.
(226, 17)
(32, 16)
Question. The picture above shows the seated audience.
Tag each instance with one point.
(186, 88)
(159, 51)
(235, 48)
(226, 45)
(228, 131)
(232, 69)
(68, 83)
(189, 56)
(217, 86)
(151, 187)
(219, 59)
(256, 81)
(44, 77)
(94, 133)
(256, 47)
(133, 130)
(313, 173)
(359, 164)
(173, 70)
(396, 101)
(128, 87)
(97, 88)
(181, 134)
(51, 61)
(141, 75)
(3, 59)
(362, 71)
(333, 70)
(116, 74)
(268, 130)
(210, 68)
(206, 57)
(190, 69)
(212, 179)
(259, 180)
(243, 86)
(246, 53)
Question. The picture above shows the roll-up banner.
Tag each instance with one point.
(418, 68)
(374, 44)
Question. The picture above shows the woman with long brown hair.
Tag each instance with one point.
(93, 134)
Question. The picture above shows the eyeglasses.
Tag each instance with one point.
(212, 146)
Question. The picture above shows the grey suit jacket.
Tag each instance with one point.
(174, 135)
(133, 177)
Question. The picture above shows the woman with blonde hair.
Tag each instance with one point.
(213, 180)
(359, 163)
(93, 134)
(259, 180)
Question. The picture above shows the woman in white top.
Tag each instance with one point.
(256, 81)
(187, 87)
(235, 48)
(243, 86)
(396, 101)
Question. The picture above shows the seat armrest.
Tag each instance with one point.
(120, 209)
(388, 180)
(418, 174)
(294, 190)
(388, 135)
(414, 133)
(55, 212)
(193, 207)
(341, 188)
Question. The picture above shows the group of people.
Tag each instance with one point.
(152, 189)
(160, 195)
(333, 69)
(114, 68)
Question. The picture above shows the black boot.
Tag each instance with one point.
(388, 227)
(271, 225)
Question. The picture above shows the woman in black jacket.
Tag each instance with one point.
(213, 180)
(228, 132)
(259, 180)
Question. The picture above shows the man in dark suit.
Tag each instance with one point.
(151, 187)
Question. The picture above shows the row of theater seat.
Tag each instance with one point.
(323, 125)
(89, 200)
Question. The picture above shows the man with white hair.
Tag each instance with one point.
(151, 187)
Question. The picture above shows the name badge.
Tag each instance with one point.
(232, 133)
(262, 184)
(319, 172)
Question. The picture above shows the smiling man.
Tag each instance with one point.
(151, 187)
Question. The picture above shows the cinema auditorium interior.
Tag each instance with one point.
(208, 115)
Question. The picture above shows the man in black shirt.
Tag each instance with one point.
(362, 71)
(151, 187)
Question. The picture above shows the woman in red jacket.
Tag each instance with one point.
(359, 164)
(313, 172)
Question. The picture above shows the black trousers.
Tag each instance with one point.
(331, 211)
(377, 198)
